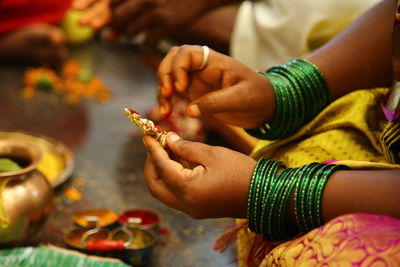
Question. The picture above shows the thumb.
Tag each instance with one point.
(192, 152)
(219, 101)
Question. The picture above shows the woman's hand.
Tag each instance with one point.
(224, 87)
(217, 185)
(96, 13)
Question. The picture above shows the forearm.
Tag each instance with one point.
(362, 191)
(376, 192)
(360, 56)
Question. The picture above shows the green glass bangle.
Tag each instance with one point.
(296, 98)
(271, 208)
(320, 189)
(310, 196)
(276, 207)
(271, 175)
(269, 196)
(281, 112)
(302, 186)
(258, 199)
(300, 92)
(281, 217)
(250, 200)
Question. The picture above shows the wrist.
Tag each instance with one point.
(242, 188)
(301, 92)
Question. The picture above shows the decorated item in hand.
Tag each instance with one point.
(75, 83)
(147, 126)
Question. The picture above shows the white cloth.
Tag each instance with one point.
(271, 32)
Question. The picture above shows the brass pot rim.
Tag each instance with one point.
(33, 151)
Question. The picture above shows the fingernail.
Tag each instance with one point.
(194, 110)
(173, 137)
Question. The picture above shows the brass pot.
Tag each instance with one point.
(26, 197)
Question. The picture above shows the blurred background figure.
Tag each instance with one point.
(35, 32)
(257, 33)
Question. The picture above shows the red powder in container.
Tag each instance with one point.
(149, 218)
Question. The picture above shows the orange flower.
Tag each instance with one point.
(71, 69)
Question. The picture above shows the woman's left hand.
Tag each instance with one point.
(217, 185)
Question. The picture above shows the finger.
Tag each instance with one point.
(173, 173)
(224, 100)
(181, 66)
(97, 16)
(166, 88)
(82, 4)
(198, 87)
(186, 60)
(165, 104)
(192, 152)
(157, 187)
(127, 11)
(165, 69)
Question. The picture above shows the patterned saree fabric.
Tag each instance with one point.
(347, 131)
(351, 240)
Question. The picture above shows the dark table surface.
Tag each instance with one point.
(108, 152)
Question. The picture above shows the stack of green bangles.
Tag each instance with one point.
(270, 192)
(301, 92)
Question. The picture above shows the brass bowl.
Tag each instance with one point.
(26, 196)
(57, 161)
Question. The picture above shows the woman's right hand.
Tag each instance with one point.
(224, 87)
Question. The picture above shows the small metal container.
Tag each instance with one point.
(106, 217)
(149, 220)
(138, 243)
(27, 196)
(77, 237)
(128, 243)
